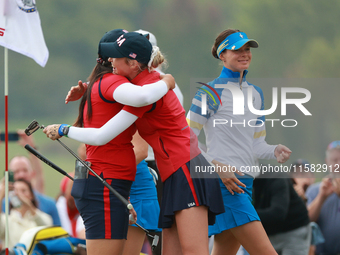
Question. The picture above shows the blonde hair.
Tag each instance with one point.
(157, 58)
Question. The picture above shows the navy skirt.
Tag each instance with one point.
(181, 191)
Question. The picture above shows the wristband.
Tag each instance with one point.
(63, 129)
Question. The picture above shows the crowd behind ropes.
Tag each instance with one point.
(130, 109)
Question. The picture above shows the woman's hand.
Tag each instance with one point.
(132, 216)
(26, 201)
(51, 131)
(169, 80)
(228, 177)
(25, 139)
(282, 153)
(23, 198)
(76, 92)
(326, 188)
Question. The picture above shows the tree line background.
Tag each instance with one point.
(299, 47)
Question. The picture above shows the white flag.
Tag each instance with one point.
(20, 29)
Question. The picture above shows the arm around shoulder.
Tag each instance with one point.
(138, 96)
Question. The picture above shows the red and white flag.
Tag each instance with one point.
(20, 29)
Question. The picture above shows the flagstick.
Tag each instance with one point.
(6, 148)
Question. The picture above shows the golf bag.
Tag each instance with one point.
(46, 240)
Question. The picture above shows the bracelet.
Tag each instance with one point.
(66, 129)
(63, 129)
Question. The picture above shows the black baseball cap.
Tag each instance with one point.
(110, 36)
(129, 45)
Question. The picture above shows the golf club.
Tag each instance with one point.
(155, 237)
(34, 126)
(46, 161)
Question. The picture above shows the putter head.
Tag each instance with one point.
(154, 242)
(34, 126)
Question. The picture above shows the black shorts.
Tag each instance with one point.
(104, 215)
(180, 192)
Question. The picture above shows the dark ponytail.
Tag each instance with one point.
(99, 70)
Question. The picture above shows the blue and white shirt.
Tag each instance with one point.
(237, 140)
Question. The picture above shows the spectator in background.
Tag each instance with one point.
(283, 214)
(66, 206)
(323, 199)
(31, 171)
(36, 176)
(302, 177)
(24, 213)
(37, 179)
(46, 204)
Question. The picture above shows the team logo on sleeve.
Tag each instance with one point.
(27, 5)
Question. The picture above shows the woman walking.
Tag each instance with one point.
(235, 145)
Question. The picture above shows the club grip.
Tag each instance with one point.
(45, 160)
